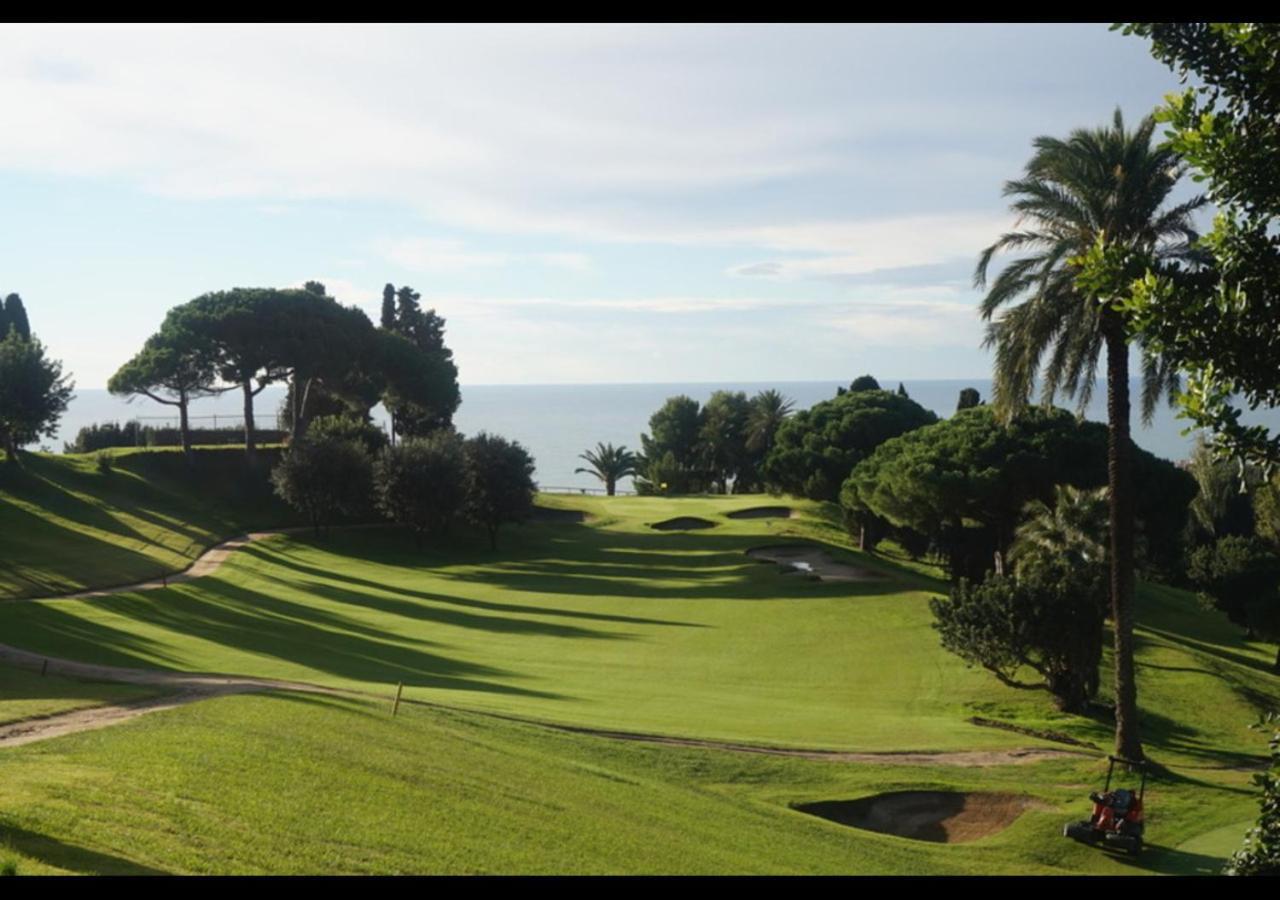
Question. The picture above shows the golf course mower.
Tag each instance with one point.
(1117, 819)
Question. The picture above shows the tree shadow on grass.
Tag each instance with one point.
(281, 558)
(68, 856)
(260, 625)
(1171, 861)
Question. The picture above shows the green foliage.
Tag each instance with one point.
(348, 428)
(1240, 576)
(421, 482)
(499, 483)
(14, 318)
(965, 481)
(1223, 504)
(323, 478)
(1087, 204)
(864, 383)
(722, 441)
(671, 450)
(1217, 319)
(1048, 618)
(610, 464)
(1075, 528)
(1260, 854)
(423, 394)
(815, 450)
(969, 398)
(33, 392)
(103, 462)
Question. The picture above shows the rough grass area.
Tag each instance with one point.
(65, 525)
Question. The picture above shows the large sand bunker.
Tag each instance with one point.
(682, 523)
(944, 817)
(761, 512)
(806, 559)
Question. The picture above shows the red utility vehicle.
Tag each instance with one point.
(1117, 819)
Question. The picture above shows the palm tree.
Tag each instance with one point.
(1103, 187)
(1075, 527)
(609, 464)
(768, 409)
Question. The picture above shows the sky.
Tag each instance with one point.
(581, 204)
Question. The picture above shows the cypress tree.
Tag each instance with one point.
(389, 307)
(15, 317)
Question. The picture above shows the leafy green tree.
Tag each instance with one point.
(15, 318)
(33, 392)
(499, 483)
(1217, 320)
(610, 464)
(1266, 512)
(323, 478)
(722, 441)
(1048, 618)
(1240, 576)
(417, 412)
(174, 367)
(1092, 212)
(671, 453)
(1260, 854)
(864, 383)
(969, 398)
(815, 450)
(421, 482)
(964, 482)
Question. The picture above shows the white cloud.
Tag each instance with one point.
(445, 255)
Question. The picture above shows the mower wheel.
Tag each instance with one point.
(1080, 831)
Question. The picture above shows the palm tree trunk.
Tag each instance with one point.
(1120, 485)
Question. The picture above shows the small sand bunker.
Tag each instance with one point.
(761, 512)
(682, 523)
(943, 817)
(806, 560)
(547, 514)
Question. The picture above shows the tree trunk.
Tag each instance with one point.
(250, 442)
(184, 427)
(1120, 486)
(610, 486)
(11, 448)
(299, 417)
(493, 537)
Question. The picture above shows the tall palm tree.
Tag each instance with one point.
(1104, 185)
(610, 464)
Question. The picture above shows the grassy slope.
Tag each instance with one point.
(65, 526)
(610, 625)
(615, 626)
(259, 784)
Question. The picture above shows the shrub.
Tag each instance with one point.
(1048, 618)
(103, 462)
(1260, 854)
(349, 428)
(420, 482)
(323, 479)
(499, 483)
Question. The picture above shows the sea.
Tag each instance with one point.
(558, 422)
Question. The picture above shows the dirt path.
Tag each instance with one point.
(205, 564)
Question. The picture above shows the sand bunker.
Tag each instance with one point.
(547, 514)
(761, 512)
(944, 817)
(682, 523)
(806, 560)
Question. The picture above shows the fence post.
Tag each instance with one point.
(395, 707)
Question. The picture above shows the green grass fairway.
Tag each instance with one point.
(65, 526)
(611, 624)
(604, 624)
(307, 785)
